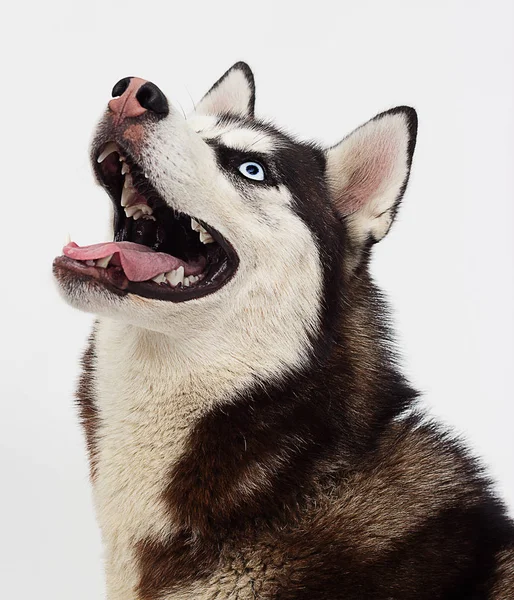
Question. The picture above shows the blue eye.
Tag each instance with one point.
(252, 170)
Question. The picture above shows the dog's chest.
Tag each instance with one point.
(147, 408)
(146, 413)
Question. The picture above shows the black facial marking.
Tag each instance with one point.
(229, 160)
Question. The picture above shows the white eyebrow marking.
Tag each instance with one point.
(248, 139)
(239, 138)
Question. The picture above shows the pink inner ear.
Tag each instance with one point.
(371, 168)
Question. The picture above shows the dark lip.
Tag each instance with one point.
(114, 279)
(68, 270)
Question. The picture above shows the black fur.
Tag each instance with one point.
(331, 426)
(328, 483)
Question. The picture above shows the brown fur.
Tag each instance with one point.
(503, 588)
(88, 411)
(245, 534)
(327, 483)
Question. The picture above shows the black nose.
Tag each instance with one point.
(120, 88)
(151, 98)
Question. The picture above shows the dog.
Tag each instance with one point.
(249, 431)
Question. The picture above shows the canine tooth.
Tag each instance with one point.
(68, 239)
(104, 262)
(194, 225)
(128, 181)
(131, 210)
(144, 209)
(159, 278)
(176, 276)
(126, 195)
(109, 149)
(125, 169)
(205, 237)
(146, 176)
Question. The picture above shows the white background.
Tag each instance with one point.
(447, 265)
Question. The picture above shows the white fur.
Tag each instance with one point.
(231, 95)
(232, 135)
(202, 123)
(249, 140)
(161, 365)
(374, 159)
(151, 394)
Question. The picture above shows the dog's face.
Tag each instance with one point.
(223, 221)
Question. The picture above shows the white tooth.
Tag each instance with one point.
(127, 195)
(125, 169)
(194, 225)
(202, 229)
(104, 262)
(146, 176)
(68, 239)
(143, 208)
(180, 275)
(130, 210)
(109, 149)
(159, 278)
(137, 215)
(193, 278)
(128, 181)
(187, 283)
(122, 158)
(176, 276)
(206, 238)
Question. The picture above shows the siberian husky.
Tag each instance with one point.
(249, 432)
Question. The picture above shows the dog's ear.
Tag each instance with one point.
(233, 94)
(367, 173)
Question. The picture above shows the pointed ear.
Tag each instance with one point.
(232, 94)
(367, 173)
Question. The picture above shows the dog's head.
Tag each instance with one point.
(223, 222)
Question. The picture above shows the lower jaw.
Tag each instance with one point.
(66, 270)
(114, 280)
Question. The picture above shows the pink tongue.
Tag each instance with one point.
(139, 262)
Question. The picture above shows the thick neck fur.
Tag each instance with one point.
(191, 449)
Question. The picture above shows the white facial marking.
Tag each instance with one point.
(249, 140)
(201, 123)
(154, 357)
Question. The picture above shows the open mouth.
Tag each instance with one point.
(157, 252)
